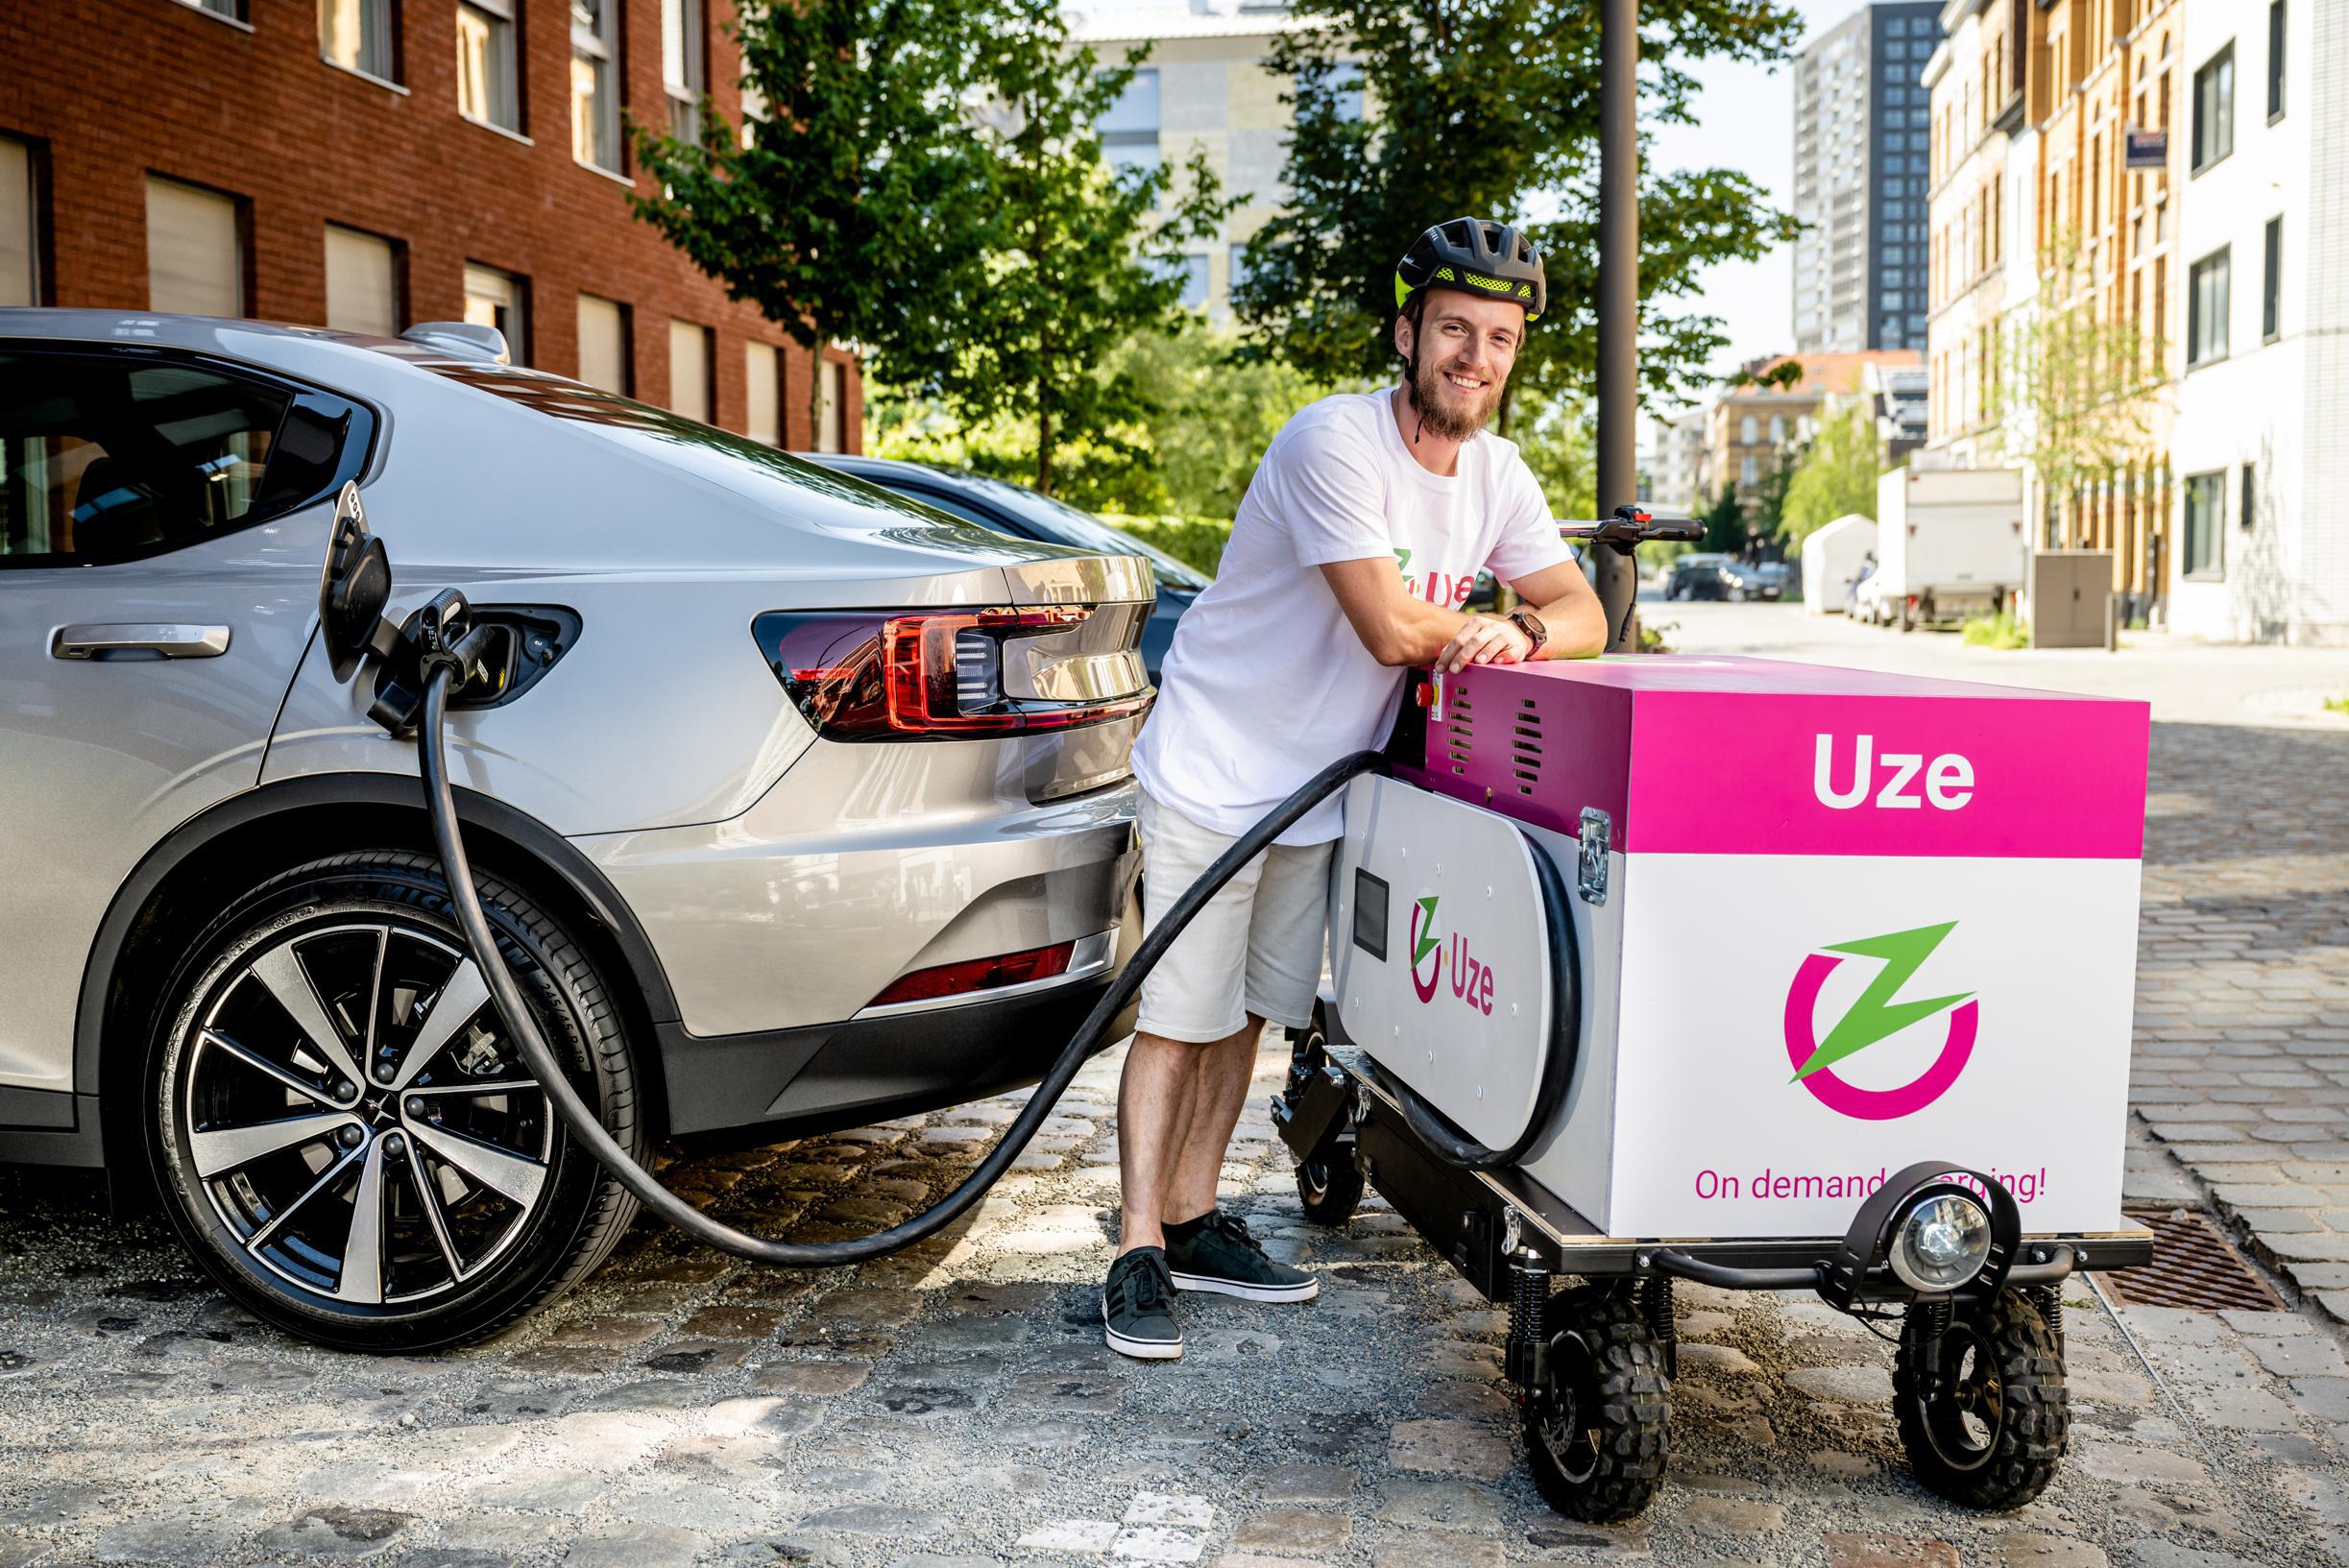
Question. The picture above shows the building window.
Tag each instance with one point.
(1193, 270)
(831, 417)
(2205, 500)
(488, 87)
(766, 375)
(1345, 89)
(1130, 128)
(2275, 60)
(1237, 273)
(1778, 429)
(683, 56)
(500, 300)
(19, 225)
(195, 250)
(1749, 430)
(2214, 110)
(362, 282)
(2251, 496)
(233, 10)
(2271, 283)
(689, 392)
(1748, 471)
(2206, 309)
(595, 84)
(605, 359)
(356, 35)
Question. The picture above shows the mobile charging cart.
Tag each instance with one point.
(1762, 974)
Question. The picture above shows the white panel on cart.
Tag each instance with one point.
(1440, 953)
(2014, 1058)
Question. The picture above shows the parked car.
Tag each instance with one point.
(1023, 512)
(1782, 574)
(1740, 581)
(1695, 577)
(756, 879)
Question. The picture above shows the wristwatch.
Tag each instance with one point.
(1526, 621)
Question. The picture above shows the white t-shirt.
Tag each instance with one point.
(1266, 683)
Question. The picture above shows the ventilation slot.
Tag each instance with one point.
(1525, 745)
(1460, 735)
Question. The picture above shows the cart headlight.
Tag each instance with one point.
(1942, 1244)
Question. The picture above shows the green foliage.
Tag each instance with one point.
(1215, 418)
(2070, 389)
(1494, 111)
(1767, 514)
(1195, 541)
(930, 185)
(1725, 524)
(2337, 704)
(2000, 631)
(1835, 476)
(1656, 638)
(1553, 432)
(829, 220)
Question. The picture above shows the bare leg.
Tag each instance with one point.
(1223, 1072)
(1155, 1093)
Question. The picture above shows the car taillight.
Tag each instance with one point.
(977, 975)
(862, 675)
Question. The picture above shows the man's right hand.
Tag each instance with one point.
(1486, 639)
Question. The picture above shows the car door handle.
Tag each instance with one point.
(163, 641)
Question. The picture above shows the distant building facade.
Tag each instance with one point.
(1202, 85)
(1861, 149)
(342, 163)
(1753, 430)
(2261, 447)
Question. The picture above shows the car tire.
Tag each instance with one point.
(428, 1196)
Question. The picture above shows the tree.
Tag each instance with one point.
(1077, 258)
(1836, 473)
(1495, 112)
(2071, 386)
(1766, 509)
(1725, 524)
(837, 207)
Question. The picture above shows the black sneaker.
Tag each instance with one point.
(1214, 1252)
(1138, 1307)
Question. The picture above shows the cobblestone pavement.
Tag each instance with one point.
(955, 1406)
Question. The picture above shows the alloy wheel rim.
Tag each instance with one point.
(1567, 1405)
(1965, 1402)
(355, 1118)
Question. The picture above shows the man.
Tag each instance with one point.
(1357, 543)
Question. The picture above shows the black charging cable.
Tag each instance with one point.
(588, 1128)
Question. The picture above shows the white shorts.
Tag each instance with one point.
(1256, 947)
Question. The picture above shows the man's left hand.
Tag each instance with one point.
(1486, 640)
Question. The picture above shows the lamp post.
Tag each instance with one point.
(1618, 304)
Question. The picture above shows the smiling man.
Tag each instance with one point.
(1350, 562)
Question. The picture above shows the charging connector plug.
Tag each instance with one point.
(441, 635)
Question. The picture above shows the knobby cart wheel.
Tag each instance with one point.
(1980, 1402)
(1327, 1188)
(1595, 1432)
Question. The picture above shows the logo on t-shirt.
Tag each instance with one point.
(1441, 586)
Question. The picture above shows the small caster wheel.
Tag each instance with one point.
(1329, 1188)
(1595, 1431)
(1978, 1394)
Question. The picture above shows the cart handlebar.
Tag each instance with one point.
(2058, 1266)
(1630, 528)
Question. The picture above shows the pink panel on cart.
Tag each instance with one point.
(1723, 757)
(1717, 774)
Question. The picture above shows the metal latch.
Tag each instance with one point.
(1590, 865)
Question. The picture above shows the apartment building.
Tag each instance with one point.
(367, 164)
(2261, 447)
(1679, 482)
(1980, 210)
(1201, 85)
(1860, 150)
(1751, 431)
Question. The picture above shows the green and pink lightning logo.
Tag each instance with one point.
(1874, 1017)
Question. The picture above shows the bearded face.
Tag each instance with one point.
(1467, 345)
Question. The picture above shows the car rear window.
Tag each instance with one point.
(116, 455)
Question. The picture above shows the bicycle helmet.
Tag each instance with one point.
(1475, 255)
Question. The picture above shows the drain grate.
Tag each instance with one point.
(2195, 1266)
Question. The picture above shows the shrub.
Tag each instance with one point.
(2000, 631)
(1195, 542)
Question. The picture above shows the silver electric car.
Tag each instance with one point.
(799, 804)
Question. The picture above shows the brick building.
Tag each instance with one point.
(1753, 430)
(373, 163)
